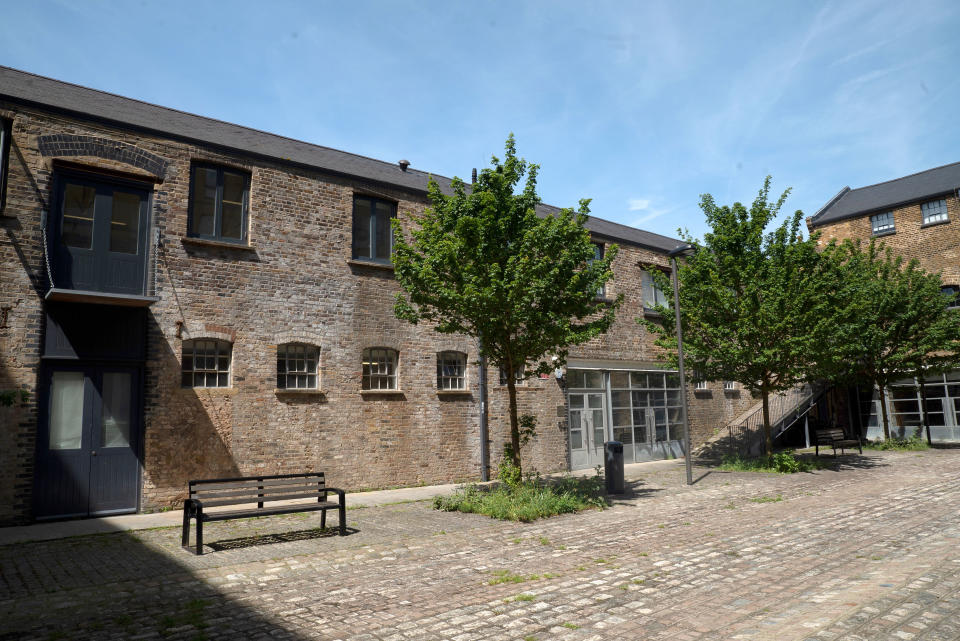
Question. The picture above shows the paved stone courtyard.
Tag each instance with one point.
(870, 550)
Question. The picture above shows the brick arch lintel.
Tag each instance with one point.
(68, 145)
(305, 336)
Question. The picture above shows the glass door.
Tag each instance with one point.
(588, 429)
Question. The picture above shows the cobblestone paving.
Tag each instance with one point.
(870, 550)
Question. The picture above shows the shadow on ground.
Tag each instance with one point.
(275, 537)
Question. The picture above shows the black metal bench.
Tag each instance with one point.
(283, 492)
(834, 437)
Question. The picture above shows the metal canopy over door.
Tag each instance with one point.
(87, 447)
(99, 238)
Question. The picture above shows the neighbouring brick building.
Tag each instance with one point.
(918, 217)
(185, 298)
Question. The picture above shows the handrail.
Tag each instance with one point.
(785, 409)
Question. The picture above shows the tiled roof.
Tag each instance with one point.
(849, 203)
(23, 87)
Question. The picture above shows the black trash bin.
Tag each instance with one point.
(613, 468)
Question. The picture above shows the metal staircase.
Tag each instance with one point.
(744, 434)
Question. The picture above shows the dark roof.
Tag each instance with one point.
(850, 203)
(28, 88)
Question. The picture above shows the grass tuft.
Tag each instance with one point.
(912, 444)
(779, 463)
(527, 501)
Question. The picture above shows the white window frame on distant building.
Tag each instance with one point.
(883, 224)
(934, 212)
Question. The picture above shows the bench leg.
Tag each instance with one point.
(199, 534)
(185, 535)
(342, 510)
(323, 519)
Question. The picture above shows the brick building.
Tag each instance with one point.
(918, 217)
(184, 298)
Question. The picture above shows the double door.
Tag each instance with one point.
(87, 454)
(588, 429)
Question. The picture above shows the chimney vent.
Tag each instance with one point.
(403, 164)
(473, 176)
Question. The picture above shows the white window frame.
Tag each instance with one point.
(652, 295)
(729, 386)
(451, 371)
(883, 223)
(380, 365)
(201, 369)
(298, 363)
(935, 211)
(520, 376)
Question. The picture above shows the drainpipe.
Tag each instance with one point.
(484, 438)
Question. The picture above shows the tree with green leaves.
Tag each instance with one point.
(481, 262)
(752, 304)
(892, 321)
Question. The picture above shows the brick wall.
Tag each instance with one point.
(295, 282)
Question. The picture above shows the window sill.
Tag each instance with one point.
(204, 242)
(369, 264)
(652, 313)
(381, 392)
(454, 392)
(934, 224)
(218, 391)
(884, 233)
(298, 391)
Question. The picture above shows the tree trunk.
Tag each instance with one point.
(883, 412)
(514, 423)
(767, 432)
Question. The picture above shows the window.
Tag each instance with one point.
(297, 366)
(934, 211)
(883, 223)
(379, 368)
(953, 302)
(372, 236)
(451, 371)
(699, 383)
(652, 294)
(729, 386)
(218, 203)
(518, 375)
(5, 133)
(206, 363)
(597, 255)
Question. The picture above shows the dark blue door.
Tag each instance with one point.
(87, 460)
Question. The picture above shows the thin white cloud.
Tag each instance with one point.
(638, 204)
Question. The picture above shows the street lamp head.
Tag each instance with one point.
(684, 249)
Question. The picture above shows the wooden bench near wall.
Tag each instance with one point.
(261, 496)
(834, 437)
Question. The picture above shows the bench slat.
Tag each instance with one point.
(268, 493)
(267, 511)
(254, 499)
(254, 482)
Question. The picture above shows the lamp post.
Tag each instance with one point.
(683, 250)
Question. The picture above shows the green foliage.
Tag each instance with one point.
(912, 444)
(528, 500)
(481, 262)
(891, 319)
(752, 304)
(9, 397)
(767, 499)
(778, 463)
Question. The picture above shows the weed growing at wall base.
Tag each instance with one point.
(779, 463)
(911, 444)
(526, 501)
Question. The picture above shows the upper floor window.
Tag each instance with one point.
(953, 302)
(219, 200)
(5, 128)
(597, 255)
(882, 223)
(699, 382)
(934, 211)
(451, 371)
(519, 376)
(729, 386)
(297, 366)
(206, 363)
(372, 235)
(652, 294)
(379, 368)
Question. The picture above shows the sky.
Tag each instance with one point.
(639, 106)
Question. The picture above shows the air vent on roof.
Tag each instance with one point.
(403, 164)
